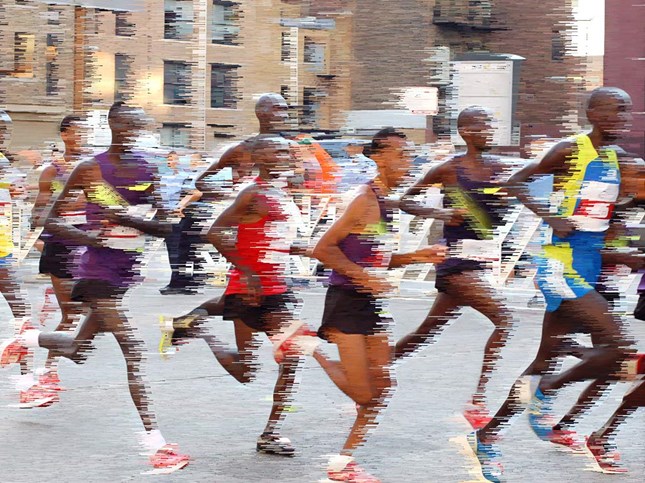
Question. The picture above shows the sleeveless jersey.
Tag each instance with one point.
(6, 219)
(264, 245)
(588, 196)
(116, 263)
(367, 249)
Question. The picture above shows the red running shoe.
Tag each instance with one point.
(37, 396)
(167, 460)
(606, 459)
(477, 416)
(567, 439)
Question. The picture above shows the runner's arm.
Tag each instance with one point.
(44, 197)
(554, 162)
(234, 155)
(431, 254)
(78, 180)
(157, 226)
(433, 177)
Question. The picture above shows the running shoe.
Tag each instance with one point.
(346, 469)
(301, 341)
(606, 458)
(477, 416)
(487, 456)
(37, 396)
(167, 331)
(167, 460)
(50, 379)
(567, 440)
(540, 418)
(14, 351)
(271, 443)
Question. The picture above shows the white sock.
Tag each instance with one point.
(338, 462)
(153, 441)
(30, 338)
(528, 386)
(24, 381)
(307, 344)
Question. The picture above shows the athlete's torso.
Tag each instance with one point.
(369, 248)
(124, 186)
(264, 245)
(484, 207)
(587, 195)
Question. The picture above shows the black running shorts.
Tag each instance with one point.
(88, 290)
(56, 260)
(453, 266)
(255, 317)
(351, 312)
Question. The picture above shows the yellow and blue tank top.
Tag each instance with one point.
(6, 220)
(588, 195)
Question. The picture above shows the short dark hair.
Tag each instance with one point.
(68, 120)
(378, 141)
(172, 153)
(115, 108)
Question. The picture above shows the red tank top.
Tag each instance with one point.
(264, 246)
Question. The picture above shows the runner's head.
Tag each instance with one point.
(609, 111)
(475, 127)
(392, 153)
(172, 159)
(273, 157)
(126, 123)
(71, 132)
(6, 127)
(273, 113)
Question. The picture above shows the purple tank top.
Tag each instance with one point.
(117, 267)
(364, 249)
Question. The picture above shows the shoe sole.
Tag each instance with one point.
(595, 466)
(168, 470)
(276, 453)
(474, 468)
(38, 403)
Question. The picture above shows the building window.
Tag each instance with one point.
(52, 71)
(175, 135)
(558, 46)
(310, 106)
(178, 19)
(122, 25)
(176, 83)
(285, 48)
(53, 15)
(224, 86)
(314, 55)
(284, 92)
(225, 22)
(23, 57)
(122, 67)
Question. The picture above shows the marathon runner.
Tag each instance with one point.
(586, 187)
(118, 186)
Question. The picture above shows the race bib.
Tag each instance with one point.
(478, 250)
(126, 238)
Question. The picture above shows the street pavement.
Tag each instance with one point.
(91, 435)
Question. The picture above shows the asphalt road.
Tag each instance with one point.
(91, 435)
